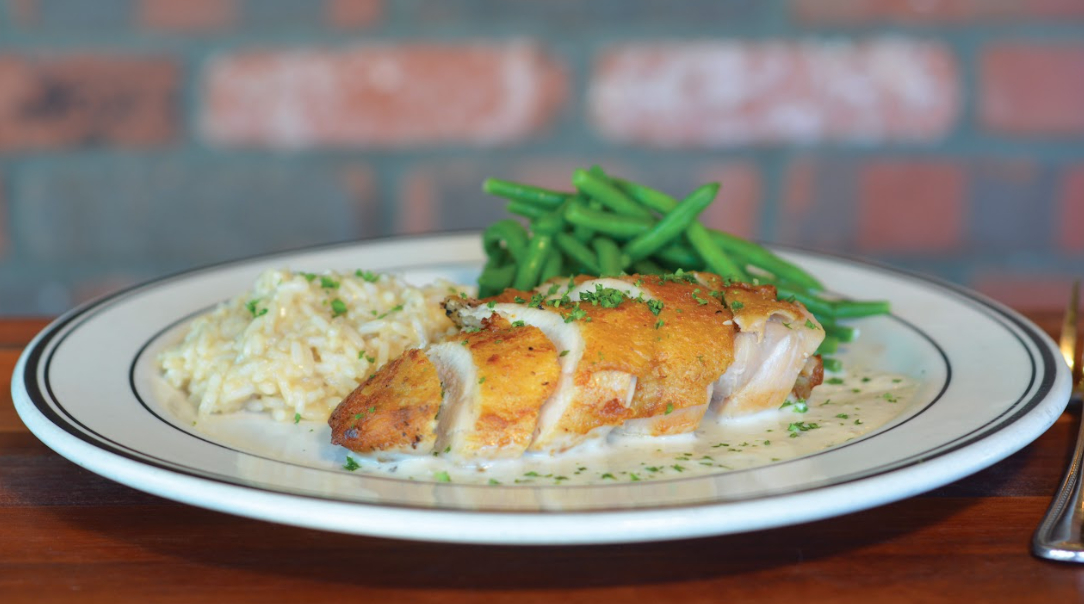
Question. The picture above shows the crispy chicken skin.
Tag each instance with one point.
(394, 411)
(546, 371)
(496, 380)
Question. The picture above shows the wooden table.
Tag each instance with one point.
(68, 535)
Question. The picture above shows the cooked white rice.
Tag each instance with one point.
(298, 343)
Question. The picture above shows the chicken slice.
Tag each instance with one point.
(495, 382)
(395, 411)
(694, 345)
(602, 350)
(775, 343)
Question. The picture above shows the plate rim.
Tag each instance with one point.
(1054, 383)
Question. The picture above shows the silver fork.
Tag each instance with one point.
(1060, 535)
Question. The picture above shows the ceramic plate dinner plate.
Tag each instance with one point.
(986, 383)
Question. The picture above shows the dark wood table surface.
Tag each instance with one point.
(69, 535)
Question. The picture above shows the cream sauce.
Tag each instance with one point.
(840, 410)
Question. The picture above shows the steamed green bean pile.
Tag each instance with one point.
(610, 226)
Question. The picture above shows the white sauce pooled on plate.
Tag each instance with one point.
(841, 409)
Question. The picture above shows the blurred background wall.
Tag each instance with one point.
(142, 137)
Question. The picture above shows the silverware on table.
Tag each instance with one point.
(1059, 536)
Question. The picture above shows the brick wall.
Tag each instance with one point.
(141, 137)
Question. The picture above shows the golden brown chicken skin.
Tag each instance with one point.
(694, 344)
(394, 411)
(517, 371)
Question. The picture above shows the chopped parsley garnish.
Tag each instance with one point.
(655, 306)
(606, 297)
(442, 476)
(890, 398)
(678, 467)
(297, 417)
(659, 324)
(696, 296)
(251, 306)
(676, 276)
(350, 464)
(519, 300)
(563, 353)
(396, 308)
(518, 323)
(834, 381)
(338, 307)
(736, 305)
(482, 380)
(369, 276)
(494, 481)
(810, 324)
(575, 314)
(842, 416)
(328, 283)
(309, 276)
(491, 304)
(800, 406)
(797, 427)
(858, 422)
(669, 408)
(610, 476)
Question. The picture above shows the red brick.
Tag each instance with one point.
(189, 16)
(914, 206)
(353, 14)
(720, 94)
(382, 96)
(23, 12)
(1025, 291)
(420, 200)
(1071, 211)
(360, 183)
(736, 209)
(857, 12)
(1027, 89)
(69, 100)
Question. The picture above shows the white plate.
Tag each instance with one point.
(989, 382)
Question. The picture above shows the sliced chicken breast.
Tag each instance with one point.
(394, 411)
(775, 342)
(495, 382)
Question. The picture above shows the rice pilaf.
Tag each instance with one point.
(297, 343)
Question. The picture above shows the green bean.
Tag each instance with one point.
(757, 255)
(816, 305)
(679, 255)
(672, 224)
(510, 233)
(495, 279)
(527, 210)
(828, 346)
(656, 200)
(614, 225)
(832, 364)
(576, 250)
(526, 193)
(609, 256)
(581, 232)
(853, 309)
(530, 267)
(648, 267)
(716, 259)
(550, 224)
(553, 267)
(843, 333)
(607, 194)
